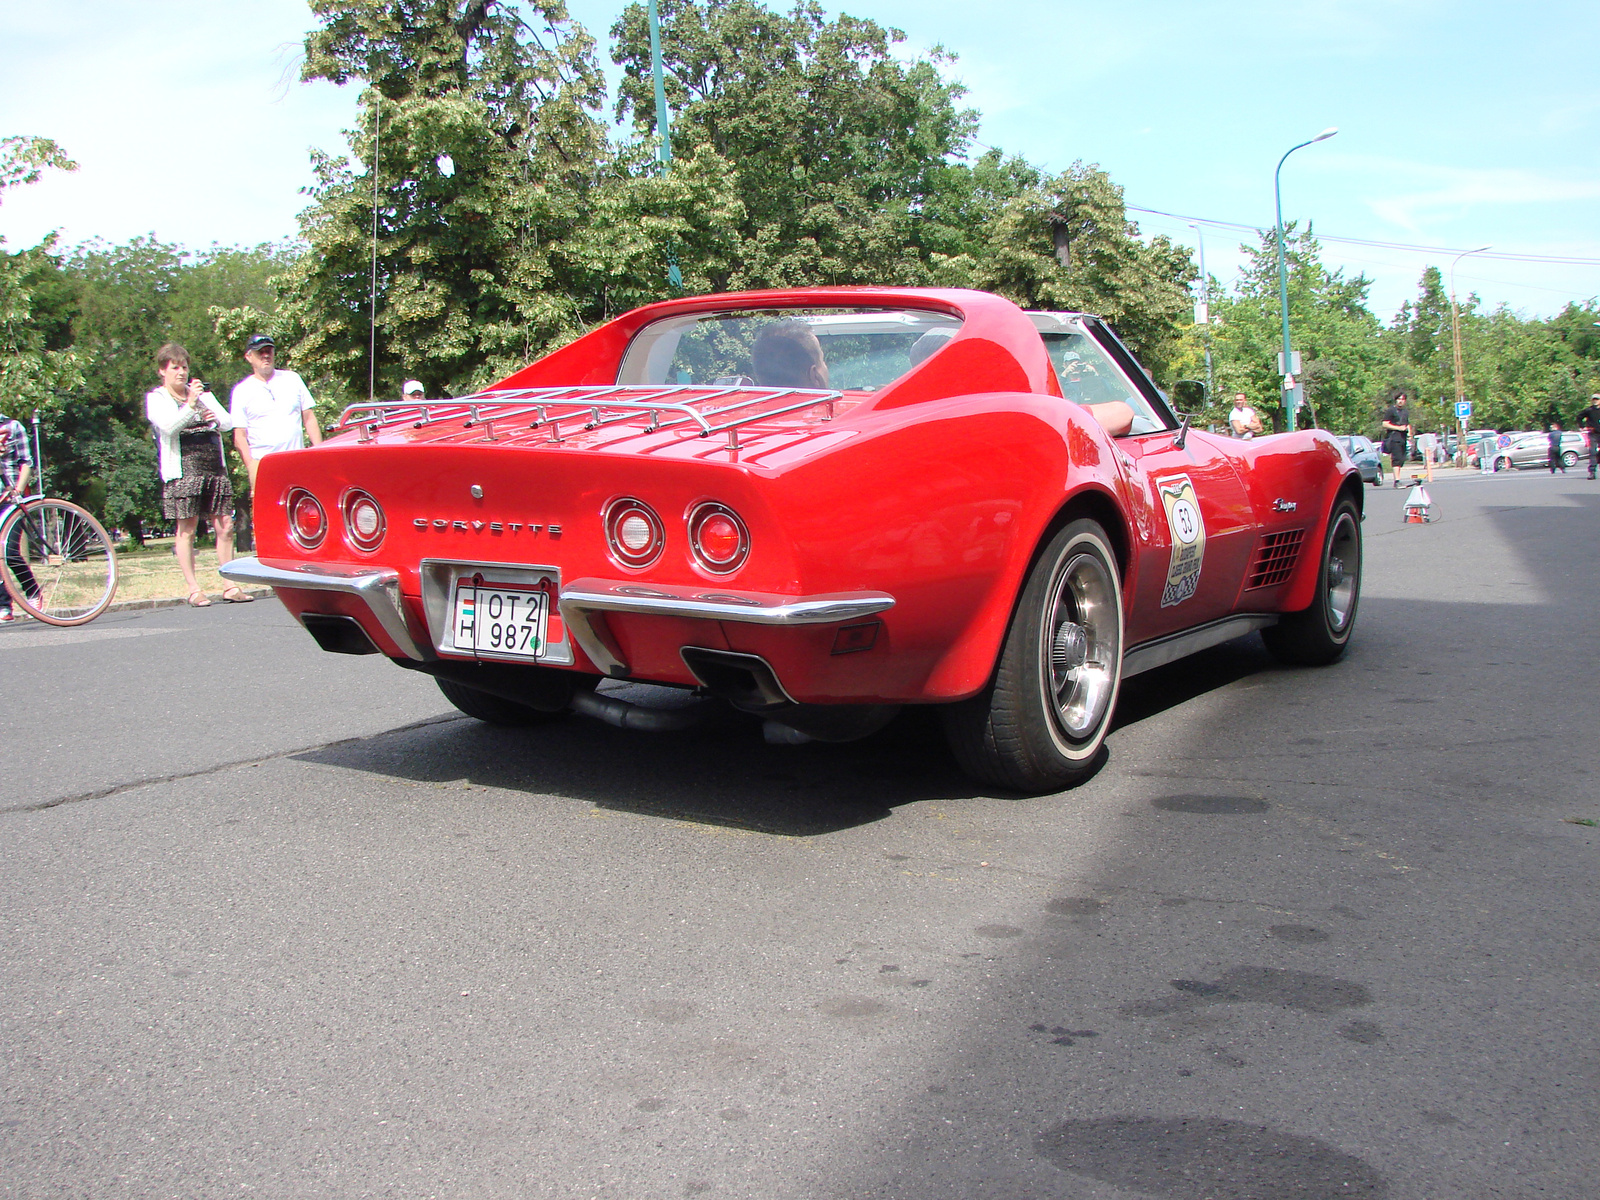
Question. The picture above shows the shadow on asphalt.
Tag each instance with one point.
(724, 774)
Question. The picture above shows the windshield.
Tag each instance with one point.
(1088, 376)
(842, 349)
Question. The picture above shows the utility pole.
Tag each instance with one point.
(674, 275)
(1205, 310)
(1287, 366)
(372, 327)
(1455, 338)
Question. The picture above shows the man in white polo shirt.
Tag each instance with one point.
(271, 409)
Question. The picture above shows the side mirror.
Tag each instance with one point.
(1189, 396)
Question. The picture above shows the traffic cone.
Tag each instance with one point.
(1419, 506)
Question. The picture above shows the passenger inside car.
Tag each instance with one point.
(788, 354)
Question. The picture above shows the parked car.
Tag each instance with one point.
(1533, 450)
(1475, 438)
(1364, 453)
(817, 506)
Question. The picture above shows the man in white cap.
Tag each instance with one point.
(412, 390)
(271, 409)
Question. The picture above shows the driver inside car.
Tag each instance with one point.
(788, 354)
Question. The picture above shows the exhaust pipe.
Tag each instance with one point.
(635, 716)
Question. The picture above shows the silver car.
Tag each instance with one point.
(1533, 450)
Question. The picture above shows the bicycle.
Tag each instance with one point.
(57, 562)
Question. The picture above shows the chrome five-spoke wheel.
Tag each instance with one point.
(1040, 723)
(1319, 633)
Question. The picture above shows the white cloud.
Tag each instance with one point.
(1450, 191)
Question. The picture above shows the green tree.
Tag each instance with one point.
(506, 221)
(1064, 243)
(37, 365)
(116, 305)
(1339, 340)
(836, 148)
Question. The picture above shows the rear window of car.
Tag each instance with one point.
(860, 349)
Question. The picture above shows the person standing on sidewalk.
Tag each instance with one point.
(1397, 433)
(1589, 422)
(189, 425)
(16, 467)
(271, 408)
(1555, 448)
(1243, 421)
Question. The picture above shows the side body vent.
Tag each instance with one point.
(1276, 558)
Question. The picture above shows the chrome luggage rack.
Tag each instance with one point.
(596, 407)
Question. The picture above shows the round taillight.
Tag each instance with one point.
(634, 532)
(718, 538)
(363, 520)
(308, 524)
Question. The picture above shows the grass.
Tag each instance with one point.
(152, 573)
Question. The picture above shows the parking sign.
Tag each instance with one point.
(1463, 410)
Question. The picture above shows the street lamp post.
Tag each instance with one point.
(674, 275)
(1455, 338)
(1205, 302)
(1283, 273)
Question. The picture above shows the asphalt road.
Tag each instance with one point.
(281, 924)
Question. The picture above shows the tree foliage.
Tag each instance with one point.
(530, 227)
(509, 216)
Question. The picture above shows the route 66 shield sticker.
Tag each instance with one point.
(1188, 539)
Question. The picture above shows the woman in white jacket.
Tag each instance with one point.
(194, 476)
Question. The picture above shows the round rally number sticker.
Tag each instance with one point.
(1188, 554)
(1185, 522)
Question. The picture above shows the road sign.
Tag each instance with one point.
(1463, 410)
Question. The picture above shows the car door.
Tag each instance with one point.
(1193, 549)
(1203, 531)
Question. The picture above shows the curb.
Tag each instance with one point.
(175, 601)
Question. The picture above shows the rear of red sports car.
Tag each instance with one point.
(641, 509)
(817, 506)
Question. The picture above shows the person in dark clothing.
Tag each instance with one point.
(1589, 422)
(1397, 433)
(1555, 448)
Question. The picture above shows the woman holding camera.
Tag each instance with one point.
(189, 424)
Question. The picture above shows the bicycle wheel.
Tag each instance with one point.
(57, 562)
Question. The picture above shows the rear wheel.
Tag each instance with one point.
(1377, 480)
(496, 710)
(57, 563)
(1318, 635)
(1040, 724)
(1569, 458)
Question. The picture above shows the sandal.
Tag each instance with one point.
(236, 595)
(202, 602)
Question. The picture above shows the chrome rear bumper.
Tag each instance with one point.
(376, 587)
(582, 598)
(379, 589)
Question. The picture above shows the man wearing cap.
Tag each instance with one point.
(412, 390)
(271, 408)
(1589, 422)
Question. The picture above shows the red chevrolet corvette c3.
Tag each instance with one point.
(817, 505)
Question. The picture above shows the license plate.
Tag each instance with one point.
(500, 621)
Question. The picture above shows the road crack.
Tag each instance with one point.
(117, 789)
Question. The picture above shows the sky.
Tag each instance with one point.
(1461, 124)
